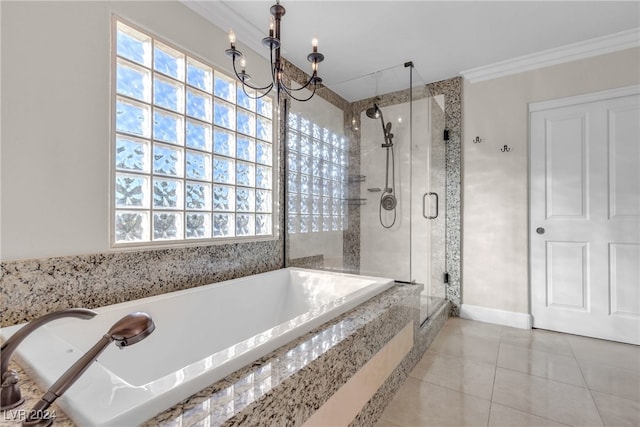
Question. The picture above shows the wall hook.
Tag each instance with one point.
(505, 149)
(477, 140)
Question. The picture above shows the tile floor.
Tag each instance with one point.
(480, 374)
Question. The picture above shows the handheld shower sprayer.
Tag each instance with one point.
(375, 113)
(129, 330)
(388, 200)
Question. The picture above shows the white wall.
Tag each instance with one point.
(495, 204)
(56, 115)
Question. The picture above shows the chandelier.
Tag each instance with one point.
(277, 67)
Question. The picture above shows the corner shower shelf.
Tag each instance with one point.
(357, 178)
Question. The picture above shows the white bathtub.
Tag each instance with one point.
(202, 335)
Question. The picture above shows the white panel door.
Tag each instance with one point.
(585, 216)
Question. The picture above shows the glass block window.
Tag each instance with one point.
(317, 178)
(193, 154)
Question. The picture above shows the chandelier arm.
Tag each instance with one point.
(239, 77)
(244, 89)
(273, 66)
(311, 79)
(273, 42)
(288, 92)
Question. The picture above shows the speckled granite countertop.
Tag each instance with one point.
(303, 371)
(288, 385)
(31, 394)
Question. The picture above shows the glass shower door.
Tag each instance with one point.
(428, 202)
(365, 185)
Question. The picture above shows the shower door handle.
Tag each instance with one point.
(423, 204)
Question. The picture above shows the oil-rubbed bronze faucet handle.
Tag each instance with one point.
(10, 395)
(129, 330)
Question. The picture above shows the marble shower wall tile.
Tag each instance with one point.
(452, 91)
(351, 235)
(315, 262)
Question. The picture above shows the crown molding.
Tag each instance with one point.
(593, 47)
(222, 16)
(585, 98)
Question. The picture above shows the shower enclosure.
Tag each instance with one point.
(365, 182)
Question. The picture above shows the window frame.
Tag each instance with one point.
(149, 210)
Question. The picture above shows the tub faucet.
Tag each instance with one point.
(129, 330)
(10, 395)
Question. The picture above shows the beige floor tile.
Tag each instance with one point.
(625, 356)
(472, 347)
(386, 423)
(537, 339)
(419, 403)
(541, 364)
(467, 376)
(617, 412)
(620, 382)
(456, 325)
(557, 401)
(502, 416)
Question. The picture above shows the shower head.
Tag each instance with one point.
(374, 112)
(131, 329)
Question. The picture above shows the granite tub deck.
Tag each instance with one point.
(287, 386)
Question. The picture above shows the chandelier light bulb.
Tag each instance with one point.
(278, 83)
(232, 38)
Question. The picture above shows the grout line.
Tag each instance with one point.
(489, 414)
(534, 376)
(608, 365)
(529, 413)
(452, 389)
(495, 372)
(588, 387)
(541, 377)
(596, 406)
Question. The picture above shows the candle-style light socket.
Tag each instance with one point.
(315, 57)
(232, 39)
(233, 53)
(271, 42)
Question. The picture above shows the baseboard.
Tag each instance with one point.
(500, 317)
